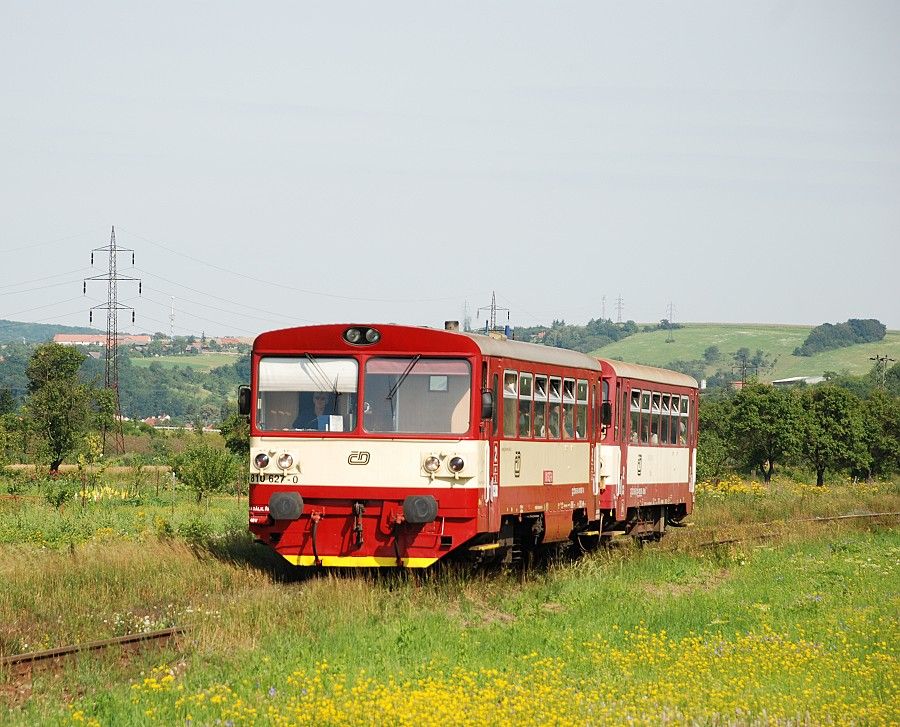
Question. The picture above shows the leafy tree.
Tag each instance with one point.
(235, 430)
(7, 402)
(829, 336)
(205, 468)
(765, 426)
(714, 446)
(59, 404)
(833, 431)
(881, 427)
(712, 354)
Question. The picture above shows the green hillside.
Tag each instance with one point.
(17, 332)
(203, 362)
(778, 342)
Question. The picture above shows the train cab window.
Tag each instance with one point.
(540, 406)
(665, 413)
(581, 408)
(401, 397)
(635, 415)
(646, 415)
(307, 394)
(568, 409)
(510, 402)
(525, 404)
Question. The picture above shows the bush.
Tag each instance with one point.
(205, 468)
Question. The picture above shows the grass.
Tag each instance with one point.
(793, 631)
(205, 362)
(777, 341)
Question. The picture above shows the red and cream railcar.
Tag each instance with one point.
(392, 445)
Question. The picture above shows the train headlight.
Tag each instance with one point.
(456, 464)
(285, 461)
(261, 461)
(372, 336)
(431, 464)
(352, 335)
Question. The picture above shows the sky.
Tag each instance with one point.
(282, 164)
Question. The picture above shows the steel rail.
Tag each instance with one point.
(765, 536)
(34, 657)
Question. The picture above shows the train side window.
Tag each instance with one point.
(635, 414)
(664, 420)
(646, 415)
(685, 424)
(654, 420)
(623, 412)
(673, 429)
(510, 403)
(554, 413)
(568, 409)
(581, 408)
(525, 404)
(540, 406)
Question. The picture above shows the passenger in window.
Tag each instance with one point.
(509, 384)
(682, 431)
(569, 421)
(654, 437)
(539, 429)
(553, 423)
(634, 436)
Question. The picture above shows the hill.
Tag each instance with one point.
(778, 342)
(17, 332)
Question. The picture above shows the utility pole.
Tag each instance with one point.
(112, 308)
(671, 319)
(493, 309)
(602, 307)
(881, 363)
(620, 304)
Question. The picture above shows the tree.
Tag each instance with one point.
(205, 468)
(833, 432)
(714, 442)
(235, 430)
(765, 426)
(59, 404)
(881, 433)
(711, 354)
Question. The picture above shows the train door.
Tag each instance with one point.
(488, 510)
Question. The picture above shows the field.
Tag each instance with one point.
(204, 362)
(796, 628)
(777, 341)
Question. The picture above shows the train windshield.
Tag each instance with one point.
(307, 393)
(417, 395)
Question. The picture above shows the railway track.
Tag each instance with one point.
(766, 536)
(29, 660)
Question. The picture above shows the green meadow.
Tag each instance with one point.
(796, 627)
(777, 341)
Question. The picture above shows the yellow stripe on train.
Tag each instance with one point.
(363, 561)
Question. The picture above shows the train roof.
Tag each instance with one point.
(648, 373)
(535, 352)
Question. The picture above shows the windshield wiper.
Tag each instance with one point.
(395, 387)
(323, 377)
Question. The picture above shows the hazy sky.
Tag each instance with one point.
(275, 164)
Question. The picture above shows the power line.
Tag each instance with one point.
(271, 283)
